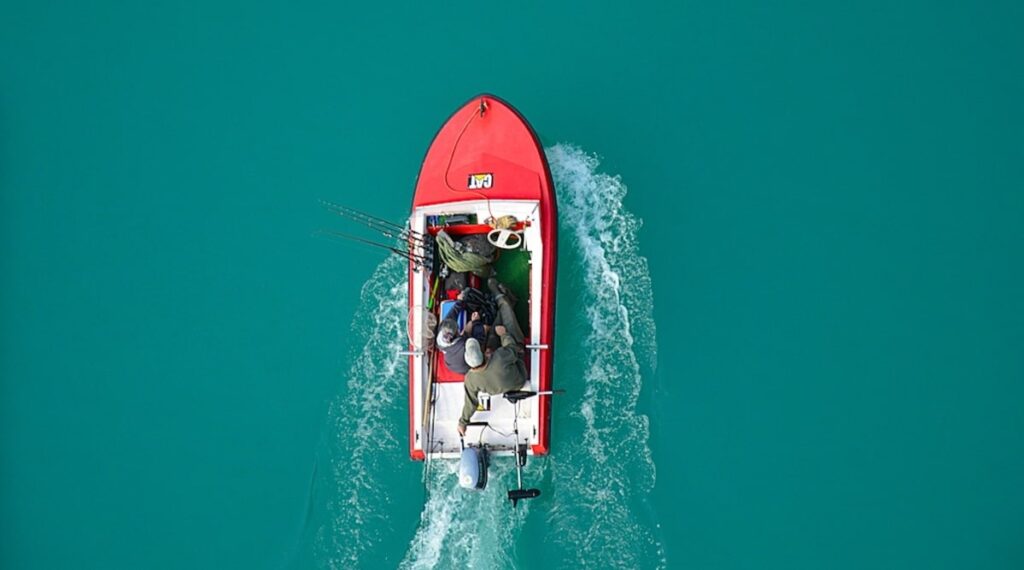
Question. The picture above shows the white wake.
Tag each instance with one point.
(358, 504)
(601, 482)
(463, 529)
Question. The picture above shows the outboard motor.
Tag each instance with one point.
(473, 468)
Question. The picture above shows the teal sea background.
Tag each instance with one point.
(790, 323)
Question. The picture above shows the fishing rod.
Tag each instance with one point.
(387, 228)
(432, 421)
(363, 214)
(384, 227)
(404, 253)
(396, 250)
(345, 210)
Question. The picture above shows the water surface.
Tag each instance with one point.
(818, 357)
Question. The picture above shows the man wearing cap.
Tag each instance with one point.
(503, 370)
(452, 342)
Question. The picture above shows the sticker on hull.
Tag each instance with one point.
(481, 181)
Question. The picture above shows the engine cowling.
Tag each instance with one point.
(473, 468)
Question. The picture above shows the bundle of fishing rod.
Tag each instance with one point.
(406, 243)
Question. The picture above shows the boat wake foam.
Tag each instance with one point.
(603, 471)
(362, 419)
(463, 529)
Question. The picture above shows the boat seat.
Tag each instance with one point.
(445, 374)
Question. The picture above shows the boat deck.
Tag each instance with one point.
(513, 269)
(437, 392)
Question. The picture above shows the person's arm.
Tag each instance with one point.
(454, 310)
(459, 306)
(469, 406)
(506, 339)
(467, 329)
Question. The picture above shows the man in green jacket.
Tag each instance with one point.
(503, 370)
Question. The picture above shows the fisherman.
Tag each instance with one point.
(452, 342)
(503, 369)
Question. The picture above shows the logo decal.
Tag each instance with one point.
(480, 181)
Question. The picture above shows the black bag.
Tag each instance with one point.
(475, 300)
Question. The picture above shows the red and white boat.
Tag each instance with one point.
(485, 163)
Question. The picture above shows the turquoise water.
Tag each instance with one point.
(796, 266)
